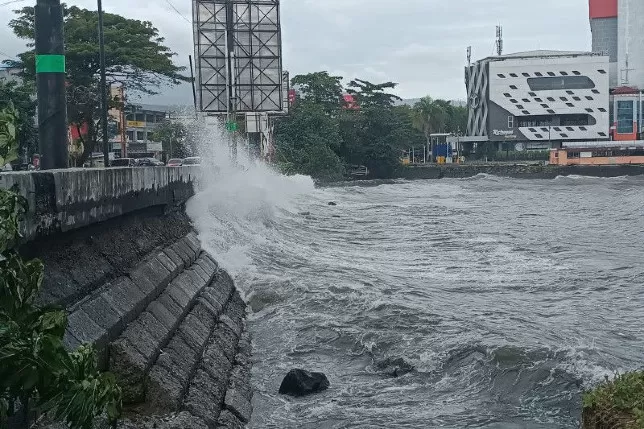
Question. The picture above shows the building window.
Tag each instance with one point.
(513, 75)
(564, 135)
(589, 110)
(538, 74)
(570, 92)
(532, 130)
(539, 136)
(551, 74)
(513, 87)
(602, 134)
(557, 129)
(532, 94)
(139, 117)
(576, 98)
(596, 91)
(525, 112)
(589, 98)
(563, 98)
(570, 105)
(560, 83)
(551, 99)
(576, 73)
(520, 107)
(552, 112)
(601, 109)
(525, 100)
(545, 106)
(508, 95)
(538, 100)
(513, 101)
(625, 117)
(141, 136)
(563, 73)
(570, 128)
(602, 71)
(583, 129)
(130, 136)
(526, 74)
(510, 122)
(502, 76)
(545, 130)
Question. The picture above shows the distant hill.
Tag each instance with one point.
(413, 101)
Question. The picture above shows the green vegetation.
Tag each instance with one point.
(8, 135)
(135, 57)
(616, 404)
(323, 136)
(176, 139)
(19, 97)
(37, 374)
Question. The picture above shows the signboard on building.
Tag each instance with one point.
(135, 124)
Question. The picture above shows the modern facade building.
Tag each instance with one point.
(617, 29)
(539, 99)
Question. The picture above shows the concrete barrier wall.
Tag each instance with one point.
(63, 200)
(121, 256)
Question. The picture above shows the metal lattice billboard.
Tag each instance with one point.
(238, 50)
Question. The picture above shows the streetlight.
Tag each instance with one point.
(104, 114)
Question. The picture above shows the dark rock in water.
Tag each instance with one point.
(395, 367)
(333, 204)
(299, 382)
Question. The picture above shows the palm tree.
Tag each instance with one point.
(429, 117)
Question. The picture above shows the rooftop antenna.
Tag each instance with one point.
(469, 56)
(499, 40)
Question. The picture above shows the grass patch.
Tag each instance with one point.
(616, 404)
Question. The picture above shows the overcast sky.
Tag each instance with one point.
(420, 44)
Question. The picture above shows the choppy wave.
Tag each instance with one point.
(482, 302)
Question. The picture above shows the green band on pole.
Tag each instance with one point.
(50, 64)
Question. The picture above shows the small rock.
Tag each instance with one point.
(395, 367)
(331, 203)
(299, 382)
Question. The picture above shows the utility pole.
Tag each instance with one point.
(104, 114)
(231, 117)
(50, 79)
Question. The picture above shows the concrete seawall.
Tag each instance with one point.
(519, 171)
(121, 255)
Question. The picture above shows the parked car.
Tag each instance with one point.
(195, 160)
(123, 162)
(175, 162)
(148, 162)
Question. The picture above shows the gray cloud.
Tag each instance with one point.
(418, 43)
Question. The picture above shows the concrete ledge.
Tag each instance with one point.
(64, 200)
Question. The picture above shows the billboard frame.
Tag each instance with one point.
(238, 56)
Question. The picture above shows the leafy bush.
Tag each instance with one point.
(616, 404)
(8, 135)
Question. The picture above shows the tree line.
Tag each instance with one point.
(136, 57)
(324, 135)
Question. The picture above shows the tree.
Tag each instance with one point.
(320, 89)
(175, 138)
(429, 117)
(20, 96)
(135, 57)
(307, 142)
(372, 95)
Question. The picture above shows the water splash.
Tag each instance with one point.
(238, 200)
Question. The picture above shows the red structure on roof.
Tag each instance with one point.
(603, 9)
(350, 102)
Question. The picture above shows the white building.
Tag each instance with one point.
(539, 99)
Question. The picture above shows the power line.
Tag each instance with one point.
(172, 6)
(11, 2)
